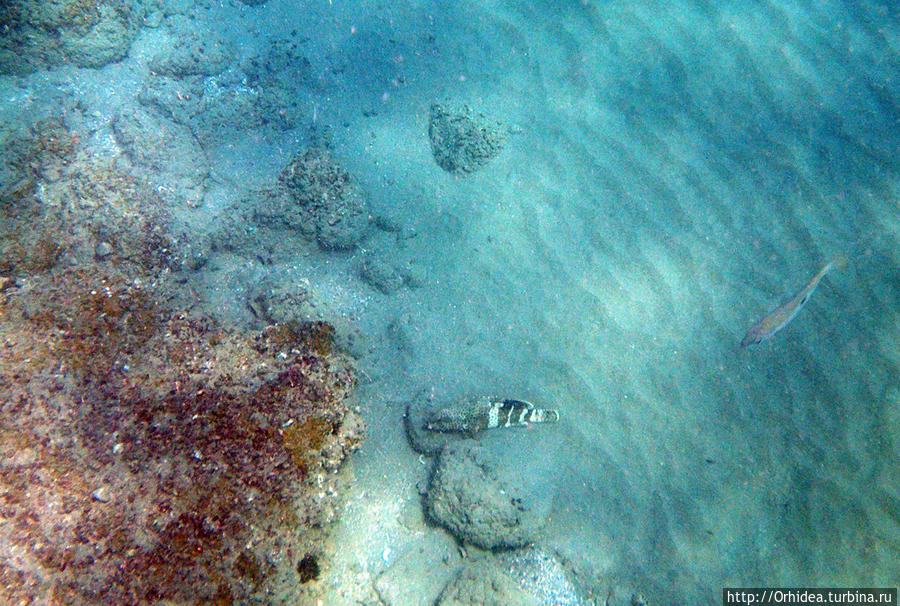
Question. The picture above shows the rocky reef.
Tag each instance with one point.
(149, 455)
(46, 33)
(60, 206)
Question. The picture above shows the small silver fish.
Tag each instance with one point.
(487, 412)
(784, 313)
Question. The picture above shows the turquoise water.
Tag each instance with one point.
(675, 171)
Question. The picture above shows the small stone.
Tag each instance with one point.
(101, 495)
(103, 249)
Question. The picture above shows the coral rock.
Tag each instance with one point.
(463, 141)
(471, 497)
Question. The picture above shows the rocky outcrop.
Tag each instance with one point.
(40, 34)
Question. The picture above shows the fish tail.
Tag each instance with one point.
(544, 415)
(839, 262)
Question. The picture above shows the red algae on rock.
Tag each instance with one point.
(143, 460)
(148, 455)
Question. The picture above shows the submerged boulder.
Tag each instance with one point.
(476, 500)
(148, 455)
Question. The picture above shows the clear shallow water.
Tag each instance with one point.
(679, 170)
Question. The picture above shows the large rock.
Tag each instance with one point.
(40, 34)
(194, 51)
(199, 85)
(478, 501)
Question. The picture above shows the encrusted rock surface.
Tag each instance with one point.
(484, 583)
(471, 497)
(314, 200)
(297, 304)
(148, 455)
(39, 34)
(65, 207)
(323, 200)
(462, 141)
(199, 87)
(317, 198)
(195, 51)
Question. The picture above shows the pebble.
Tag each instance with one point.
(103, 249)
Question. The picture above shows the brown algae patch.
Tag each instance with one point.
(147, 454)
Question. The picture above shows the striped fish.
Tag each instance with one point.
(784, 313)
(486, 412)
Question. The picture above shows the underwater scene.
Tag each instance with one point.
(435, 303)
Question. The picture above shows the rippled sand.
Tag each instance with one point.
(681, 170)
